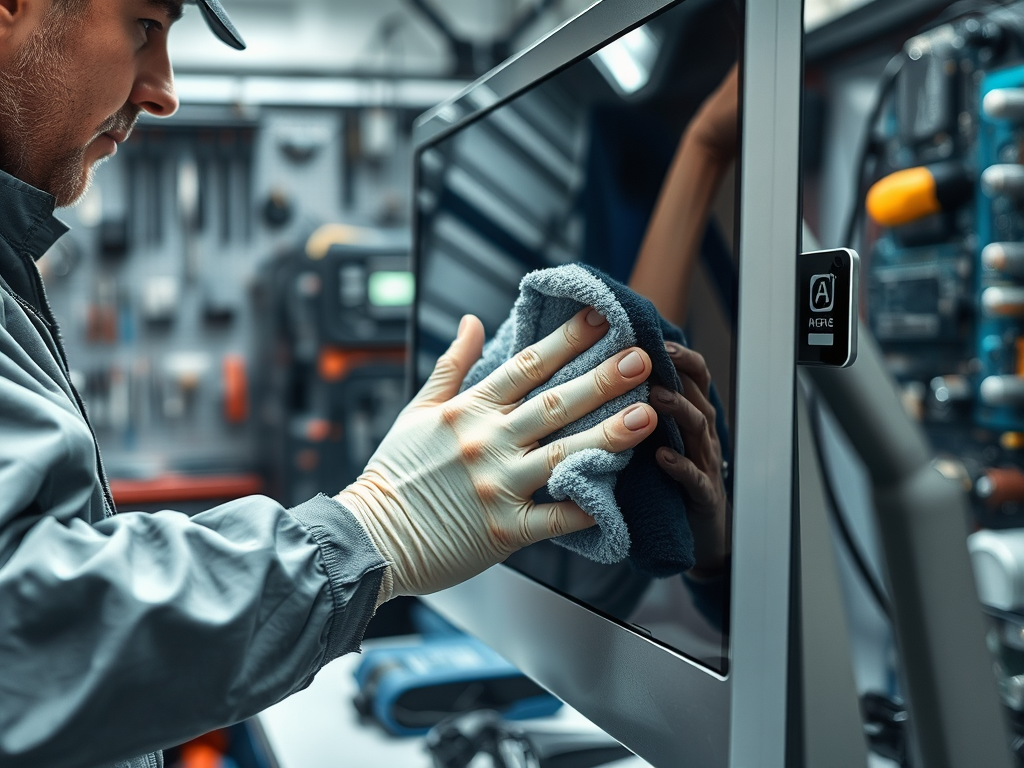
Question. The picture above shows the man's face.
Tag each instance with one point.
(73, 82)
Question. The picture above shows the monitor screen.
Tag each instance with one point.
(572, 170)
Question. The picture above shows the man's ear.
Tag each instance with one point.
(9, 10)
(12, 15)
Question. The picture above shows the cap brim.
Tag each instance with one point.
(219, 23)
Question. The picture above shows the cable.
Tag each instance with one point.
(876, 590)
(886, 84)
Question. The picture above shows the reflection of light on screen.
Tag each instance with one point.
(627, 62)
(391, 289)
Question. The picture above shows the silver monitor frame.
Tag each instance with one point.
(669, 709)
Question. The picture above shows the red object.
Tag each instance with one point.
(169, 488)
(1006, 485)
(201, 756)
(335, 363)
(318, 430)
(236, 390)
(205, 752)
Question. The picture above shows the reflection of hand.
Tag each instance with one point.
(448, 493)
(700, 471)
(715, 128)
(672, 244)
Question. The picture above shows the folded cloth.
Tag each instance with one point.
(640, 512)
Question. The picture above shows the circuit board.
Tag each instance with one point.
(945, 294)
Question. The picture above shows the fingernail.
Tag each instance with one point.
(462, 325)
(595, 318)
(663, 395)
(667, 456)
(636, 419)
(672, 349)
(631, 365)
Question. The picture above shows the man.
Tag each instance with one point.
(123, 634)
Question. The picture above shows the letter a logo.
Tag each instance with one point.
(823, 293)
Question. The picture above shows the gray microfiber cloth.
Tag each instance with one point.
(640, 511)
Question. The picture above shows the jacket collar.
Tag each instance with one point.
(27, 230)
(27, 222)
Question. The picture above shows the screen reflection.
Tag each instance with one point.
(626, 161)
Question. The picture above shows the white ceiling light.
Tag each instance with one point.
(627, 63)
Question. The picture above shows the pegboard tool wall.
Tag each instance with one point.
(154, 285)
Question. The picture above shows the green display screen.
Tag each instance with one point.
(391, 289)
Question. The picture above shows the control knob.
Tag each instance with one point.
(1003, 301)
(1004, 179)
(1002, 391)
(1004, 257)
(1004, 104)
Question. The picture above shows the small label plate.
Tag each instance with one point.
(827, 312)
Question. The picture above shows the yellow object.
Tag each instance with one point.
(903, 197)
(1012, 441)
(320, 242)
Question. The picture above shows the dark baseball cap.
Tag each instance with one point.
(219, 23)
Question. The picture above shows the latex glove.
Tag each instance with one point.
(699, 473)
(448, 493)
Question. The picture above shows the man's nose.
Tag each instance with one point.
(154, 91)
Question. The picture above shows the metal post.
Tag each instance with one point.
(956, 718)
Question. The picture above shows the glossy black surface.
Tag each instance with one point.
(568, 170)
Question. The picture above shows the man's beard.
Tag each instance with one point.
(38, 127)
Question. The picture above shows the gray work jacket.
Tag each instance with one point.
(121, 634)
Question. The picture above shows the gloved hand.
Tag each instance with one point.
(448, 493)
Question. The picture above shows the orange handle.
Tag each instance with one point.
(903, 197)
(236, 390)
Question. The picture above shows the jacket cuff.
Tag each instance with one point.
(355, 570)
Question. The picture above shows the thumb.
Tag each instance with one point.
(453, 365)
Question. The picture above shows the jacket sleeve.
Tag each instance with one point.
(137, 632)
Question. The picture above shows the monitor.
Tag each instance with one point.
(558, 156)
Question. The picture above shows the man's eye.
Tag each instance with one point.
(149, 24)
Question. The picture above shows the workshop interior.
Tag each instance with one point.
(254, 288)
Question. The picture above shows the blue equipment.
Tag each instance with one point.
(410, 689)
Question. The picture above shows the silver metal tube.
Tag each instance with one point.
(1003, 301)
(1004, 104)
(1005, 179)
(1004, 257)
(999, 391)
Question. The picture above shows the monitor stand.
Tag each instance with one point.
(955, 716)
